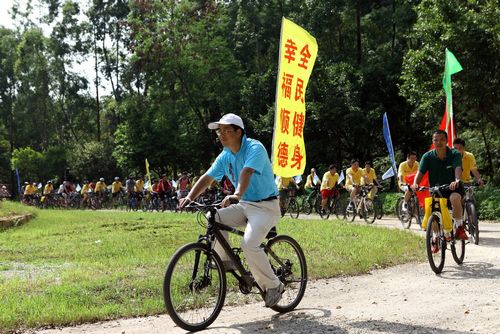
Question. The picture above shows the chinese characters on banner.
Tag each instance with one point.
(298, 50)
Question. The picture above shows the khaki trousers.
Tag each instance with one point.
(258, 218)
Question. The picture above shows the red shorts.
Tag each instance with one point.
(327, 193)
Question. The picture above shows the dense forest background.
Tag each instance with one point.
(170, 67)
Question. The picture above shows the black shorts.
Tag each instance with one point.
(447, 192)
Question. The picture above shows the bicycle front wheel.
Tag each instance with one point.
(194, 288)
(293, 209)
(458, 250)
(289, 264)
(404, 215)
(350, 211)
(369, 211)
(306, 206)
(379, 207)
(435, 244)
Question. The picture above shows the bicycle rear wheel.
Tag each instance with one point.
(194, 287)
(289, 264)
(326, 213)
(369, 211)
(458, 250)
(293, 208)
(470, 222)
(435, 244)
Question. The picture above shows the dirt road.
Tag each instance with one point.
(403, 299)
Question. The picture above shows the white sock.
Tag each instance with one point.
(458, 222)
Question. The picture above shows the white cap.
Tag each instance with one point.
(227, 119)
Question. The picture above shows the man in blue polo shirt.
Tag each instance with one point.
(246, 163)
(445, 167)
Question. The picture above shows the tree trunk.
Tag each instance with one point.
(358, 30)
(393, 45)
(487, 147)
(98, 107)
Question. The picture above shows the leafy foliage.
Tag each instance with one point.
(173, 66)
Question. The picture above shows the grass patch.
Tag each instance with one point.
(69, 267)
(9, 208)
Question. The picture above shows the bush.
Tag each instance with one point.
(488, 202)
(389, 200)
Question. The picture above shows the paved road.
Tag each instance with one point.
(404, 299)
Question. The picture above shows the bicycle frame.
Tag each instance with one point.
(214, 234)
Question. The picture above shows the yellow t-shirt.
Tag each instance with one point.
(139, 186)
(48, 189)
(369, 176)
(356, 176)
(405, 169)
(468, 163)
(329, 181)
(85, 189)
(100, 186)
(284, 182)
(309, 181)
(30, 189)
(116, 187)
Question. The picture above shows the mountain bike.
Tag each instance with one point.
(195, 284)
(332, 206)
(435, 237)
(379, 203)
(312, 201)
(361, 206)
(289, 204)
(470, 214)
(132, 201)
(413, 210)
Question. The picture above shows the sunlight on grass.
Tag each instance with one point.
(68, 267)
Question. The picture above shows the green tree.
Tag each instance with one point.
(28, 162)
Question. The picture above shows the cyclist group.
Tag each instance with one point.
(254, 203)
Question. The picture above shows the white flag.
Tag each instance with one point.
(297, 179)
(342, 176)
(388, 174)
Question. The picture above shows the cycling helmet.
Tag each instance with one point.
(101, 179)
(116, 178)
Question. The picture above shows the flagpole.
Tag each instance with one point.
(276, 95)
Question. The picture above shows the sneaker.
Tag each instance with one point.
(350, 207)
(434, 247)
(273, 296)
(460, 233)
(447, 236)
(404, 207)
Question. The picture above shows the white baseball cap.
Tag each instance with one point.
(227, 119)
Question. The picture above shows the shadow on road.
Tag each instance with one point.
(472, 270)
(490, 242)
(300, 321)
(394, 327)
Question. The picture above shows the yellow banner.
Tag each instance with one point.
(298, 51)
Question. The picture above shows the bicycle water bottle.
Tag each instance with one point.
(445, 214)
